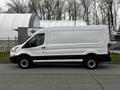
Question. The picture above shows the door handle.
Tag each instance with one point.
(43, 47)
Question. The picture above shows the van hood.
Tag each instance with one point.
(15, 48)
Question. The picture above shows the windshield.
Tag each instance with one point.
(36, 40)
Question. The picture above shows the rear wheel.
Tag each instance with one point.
(91, 63)
(24, 62)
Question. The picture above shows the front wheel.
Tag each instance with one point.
(91, 63)
(24, 62)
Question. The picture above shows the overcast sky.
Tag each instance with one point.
(3, 4)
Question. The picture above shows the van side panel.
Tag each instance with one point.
(60, 42)
(91, 41)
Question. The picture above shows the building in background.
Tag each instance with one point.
(11, 22)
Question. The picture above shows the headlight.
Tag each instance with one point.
(14, 49)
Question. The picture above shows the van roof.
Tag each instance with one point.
(90, 27)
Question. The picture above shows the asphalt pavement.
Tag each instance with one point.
(70, 77)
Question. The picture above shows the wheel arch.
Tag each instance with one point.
(90, 55)
(23, 55)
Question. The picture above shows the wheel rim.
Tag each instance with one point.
(91, 63)
(24, 63)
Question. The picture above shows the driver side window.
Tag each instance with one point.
(37, 40)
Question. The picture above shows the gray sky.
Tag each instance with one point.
(3, 4)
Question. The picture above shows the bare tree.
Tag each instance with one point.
(87, 9)
(116, 7)
(110, 13)
(17, 6)
(73, 9)
(106, 7)
(48, 7)
(95, 12)
(59, 6)
(34, 6)
(70, 8)
(102, 5)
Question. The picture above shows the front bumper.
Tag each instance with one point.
(14, 59)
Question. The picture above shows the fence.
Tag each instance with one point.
(7, 43)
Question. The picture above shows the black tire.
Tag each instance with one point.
(24, 62)
(91, 62)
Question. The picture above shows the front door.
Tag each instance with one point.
(35, 45)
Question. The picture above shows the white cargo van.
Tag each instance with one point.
(87, 44)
